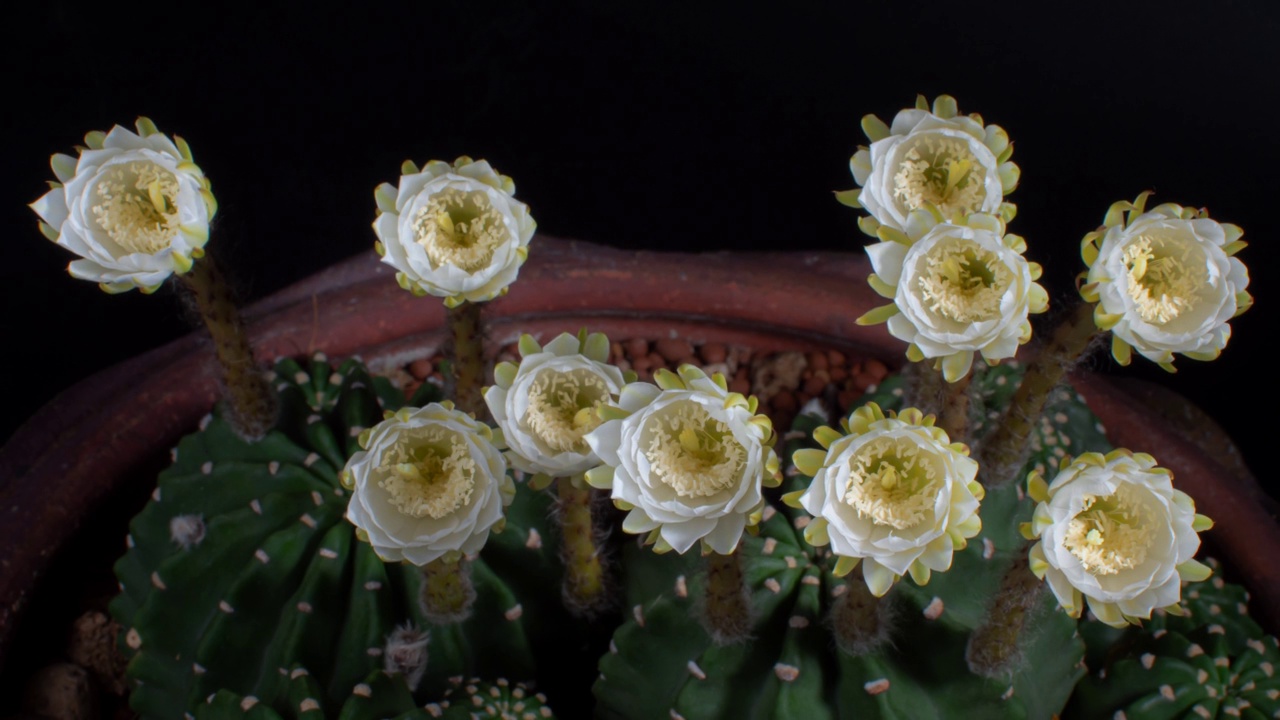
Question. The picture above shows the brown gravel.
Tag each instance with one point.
(783, 382)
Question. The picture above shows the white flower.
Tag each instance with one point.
(1165, 281)
(940, 159)
(134, 207)
(428, 482)
(894, 494)
(1113, 529)
(453, 231)
(687, 459)
(547, 404)
(956, 288)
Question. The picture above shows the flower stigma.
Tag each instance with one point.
(695, 454)
(136, 206)
(461, 228)
(940, 171)
(433, 478)
(1111, 533)
(562, 408)
(964, 282)
(1161, 285)
(891, 483)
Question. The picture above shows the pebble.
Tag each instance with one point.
(713, 353)
(421, 369)
(673, 349)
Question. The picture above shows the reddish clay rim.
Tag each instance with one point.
(139, 408)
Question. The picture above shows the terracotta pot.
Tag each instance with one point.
(114, 430)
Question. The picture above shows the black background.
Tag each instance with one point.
(668, 126)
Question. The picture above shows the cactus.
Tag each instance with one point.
(662, 663)
(276, 579)
(384, 695)
(1212, 662)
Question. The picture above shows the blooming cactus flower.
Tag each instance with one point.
(454, 231)
(134, 206)
(687, 458)
(1165, 281)
(1113, 529)
(428, 482)
(892, 492)
(938, 159)
(957, 288)
(547, 404)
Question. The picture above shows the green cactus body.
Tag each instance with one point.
(272, 576)
(1212, 662)
(663, 664)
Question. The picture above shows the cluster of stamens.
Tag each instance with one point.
(694, 453)
(1111, 533)
(460, 228)
(963, 281)
(562, 408)
(1162, 286)
(433, 477)
(892, 483)
(136, 206)
(942, 172)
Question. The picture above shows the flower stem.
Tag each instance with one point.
(924, 387)
(584, 580)
(447, 593)
(1004, 449)
(993, 647)
(250, 403)
(466, 355)
(954, 418)
(728, 616)
(858, 618)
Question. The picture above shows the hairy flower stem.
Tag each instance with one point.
(1003, 450)
(728, 616)
(924, 387)
(465, 352)
(584, 581)
(954, 417)
(447, 593)
(993, 646)
(857, 619)
(250, 402)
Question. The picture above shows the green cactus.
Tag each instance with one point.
(384, 695)
(1212, 662)
(242, 566)
(662, 663)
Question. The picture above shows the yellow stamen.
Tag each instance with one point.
(693, 453)
(136, 206)
(429, 474)
(562, 408)
(1111, 533)
(1162, 285)
(943, 172)
(892, 483)
(964, 282)
(461, 228)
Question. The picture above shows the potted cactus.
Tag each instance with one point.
(921, 544)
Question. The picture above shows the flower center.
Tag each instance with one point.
(135, 205)
(694, 453)
(962, 281)
(1162, 283)
(943, 172)
(432, 478)
(892, 483)
(460, 228)
(1111, 533)
(562, 408)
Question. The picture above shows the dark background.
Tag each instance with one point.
(668, 126)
